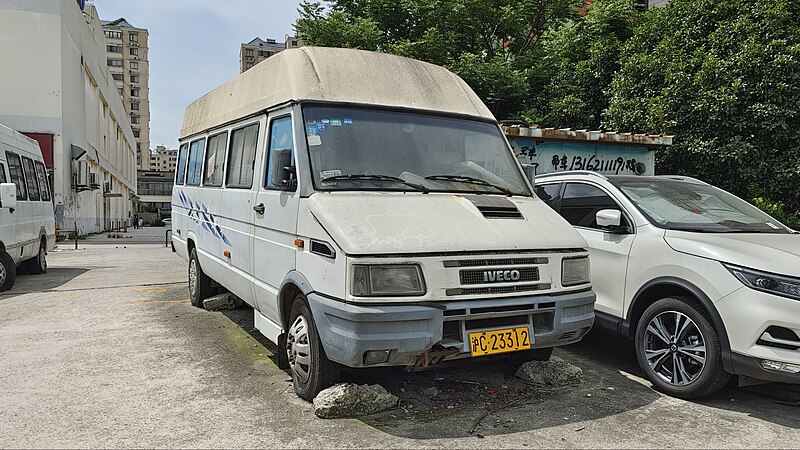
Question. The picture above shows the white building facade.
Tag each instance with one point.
(58, 89)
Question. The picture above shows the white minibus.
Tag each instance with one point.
(370, 210)
(27, 224)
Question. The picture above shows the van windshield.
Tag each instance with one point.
(369, 149)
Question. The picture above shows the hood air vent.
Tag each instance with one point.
(495, 207)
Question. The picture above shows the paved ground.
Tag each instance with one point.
(144, 235)
(105, 351)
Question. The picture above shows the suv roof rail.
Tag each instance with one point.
(683, 178)
(572, 172)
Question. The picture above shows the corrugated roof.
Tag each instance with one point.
(608, 137)
(334, 74)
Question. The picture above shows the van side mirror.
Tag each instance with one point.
(530, 172)
(610, 220)
(8, 196)
(283, 172)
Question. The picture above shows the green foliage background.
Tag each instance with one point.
(723, 77)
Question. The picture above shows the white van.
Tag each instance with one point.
(371, 211)
(27, 224)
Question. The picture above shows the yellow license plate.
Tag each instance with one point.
(499, 341)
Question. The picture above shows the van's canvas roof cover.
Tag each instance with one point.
(333, 74)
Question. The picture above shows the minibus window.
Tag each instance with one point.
(242, 157)
(41, 176)
(15, 171)
(215, 159)
(3, 173)
(195, 164)
(180, 172)
(280, 138)
(30, 179)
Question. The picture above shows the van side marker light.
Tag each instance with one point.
(227, 254)
(299, 243)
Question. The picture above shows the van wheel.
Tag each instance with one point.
(679, 349)
(311, 369)
(538, 354)
(38, 264)
(8, 271)
(199, 282)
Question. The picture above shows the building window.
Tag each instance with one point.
(134, 92)
(114, 48)
(114, 34)
(134, 78)
(134, 37)
(134, 65)
(121, 91)
(135, 106)
(248, 52)
(248, 65)
(115, 62)
(136, 134)
(135, 120)
(134, 51)
(117, 76)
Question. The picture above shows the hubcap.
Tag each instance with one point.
(192, 277)
(675, 348)
(298, 349)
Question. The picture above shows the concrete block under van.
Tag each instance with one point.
(27, 224)
(370, 210)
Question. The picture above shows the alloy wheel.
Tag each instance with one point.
(299, 349)
(675, 348)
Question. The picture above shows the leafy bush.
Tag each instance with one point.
(778, 211)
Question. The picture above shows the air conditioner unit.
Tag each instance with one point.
(81, 177)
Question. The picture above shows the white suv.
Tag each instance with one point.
(706, 284)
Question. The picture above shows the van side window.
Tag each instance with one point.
(180, 172)
(581, 203)
(15, 171)
(215, 159)
(195, 162)
(41, 176)
(242, 157)
(3, 173)
(30, 179)
(280, 138)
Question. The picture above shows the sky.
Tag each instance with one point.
(194, 47)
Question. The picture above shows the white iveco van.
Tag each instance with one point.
(371, 211)
(27, 224)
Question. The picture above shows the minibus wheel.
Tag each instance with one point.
(311, 369)
(679, 349)
(8, 271)
(199, 282)
(38, 264)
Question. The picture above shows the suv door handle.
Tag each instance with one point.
(259, 209)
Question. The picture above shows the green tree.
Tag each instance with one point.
(724, 78)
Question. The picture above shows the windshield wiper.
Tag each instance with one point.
(389, 178)
(469, 180)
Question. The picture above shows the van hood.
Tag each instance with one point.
(386, 223)
(777, 253)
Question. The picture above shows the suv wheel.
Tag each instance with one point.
(679, 349)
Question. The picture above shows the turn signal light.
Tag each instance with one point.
(227, 254)
(299, 243)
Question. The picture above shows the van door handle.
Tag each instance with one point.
(259, 209)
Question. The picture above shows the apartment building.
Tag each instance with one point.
(127, 59)
(61, 93)
(164, 159)
(259, 49)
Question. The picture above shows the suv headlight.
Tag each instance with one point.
(574, 271)
(387, 280)
(767, 282)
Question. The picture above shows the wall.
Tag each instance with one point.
(555, 156)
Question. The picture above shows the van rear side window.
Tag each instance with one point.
(30, 179)
(242, 157)
(195, 165)
(215, 159)
(180, 172)
(15, 171)
(41, 177)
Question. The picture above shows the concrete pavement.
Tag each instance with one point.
(105, 351)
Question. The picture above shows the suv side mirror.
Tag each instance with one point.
(283, 172)
(8, 196)
(610, 220)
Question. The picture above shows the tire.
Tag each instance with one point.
(199, 282)
(537, 354)
(688, 365)
(311, 369)
(38, 264)
(8, 271)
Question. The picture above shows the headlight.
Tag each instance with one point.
(574, 271)
(387, 280)
(767, 282)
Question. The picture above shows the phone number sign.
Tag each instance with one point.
(563, 156)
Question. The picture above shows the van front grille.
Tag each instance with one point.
(479, 276)
(498, 289)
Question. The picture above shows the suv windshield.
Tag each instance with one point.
(688, 206)
(369, 149)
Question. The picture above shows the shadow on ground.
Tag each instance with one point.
(54, 278)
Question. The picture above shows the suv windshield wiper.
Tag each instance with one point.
(379, 178)
(469, 180)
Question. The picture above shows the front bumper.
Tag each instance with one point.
(348, 331)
